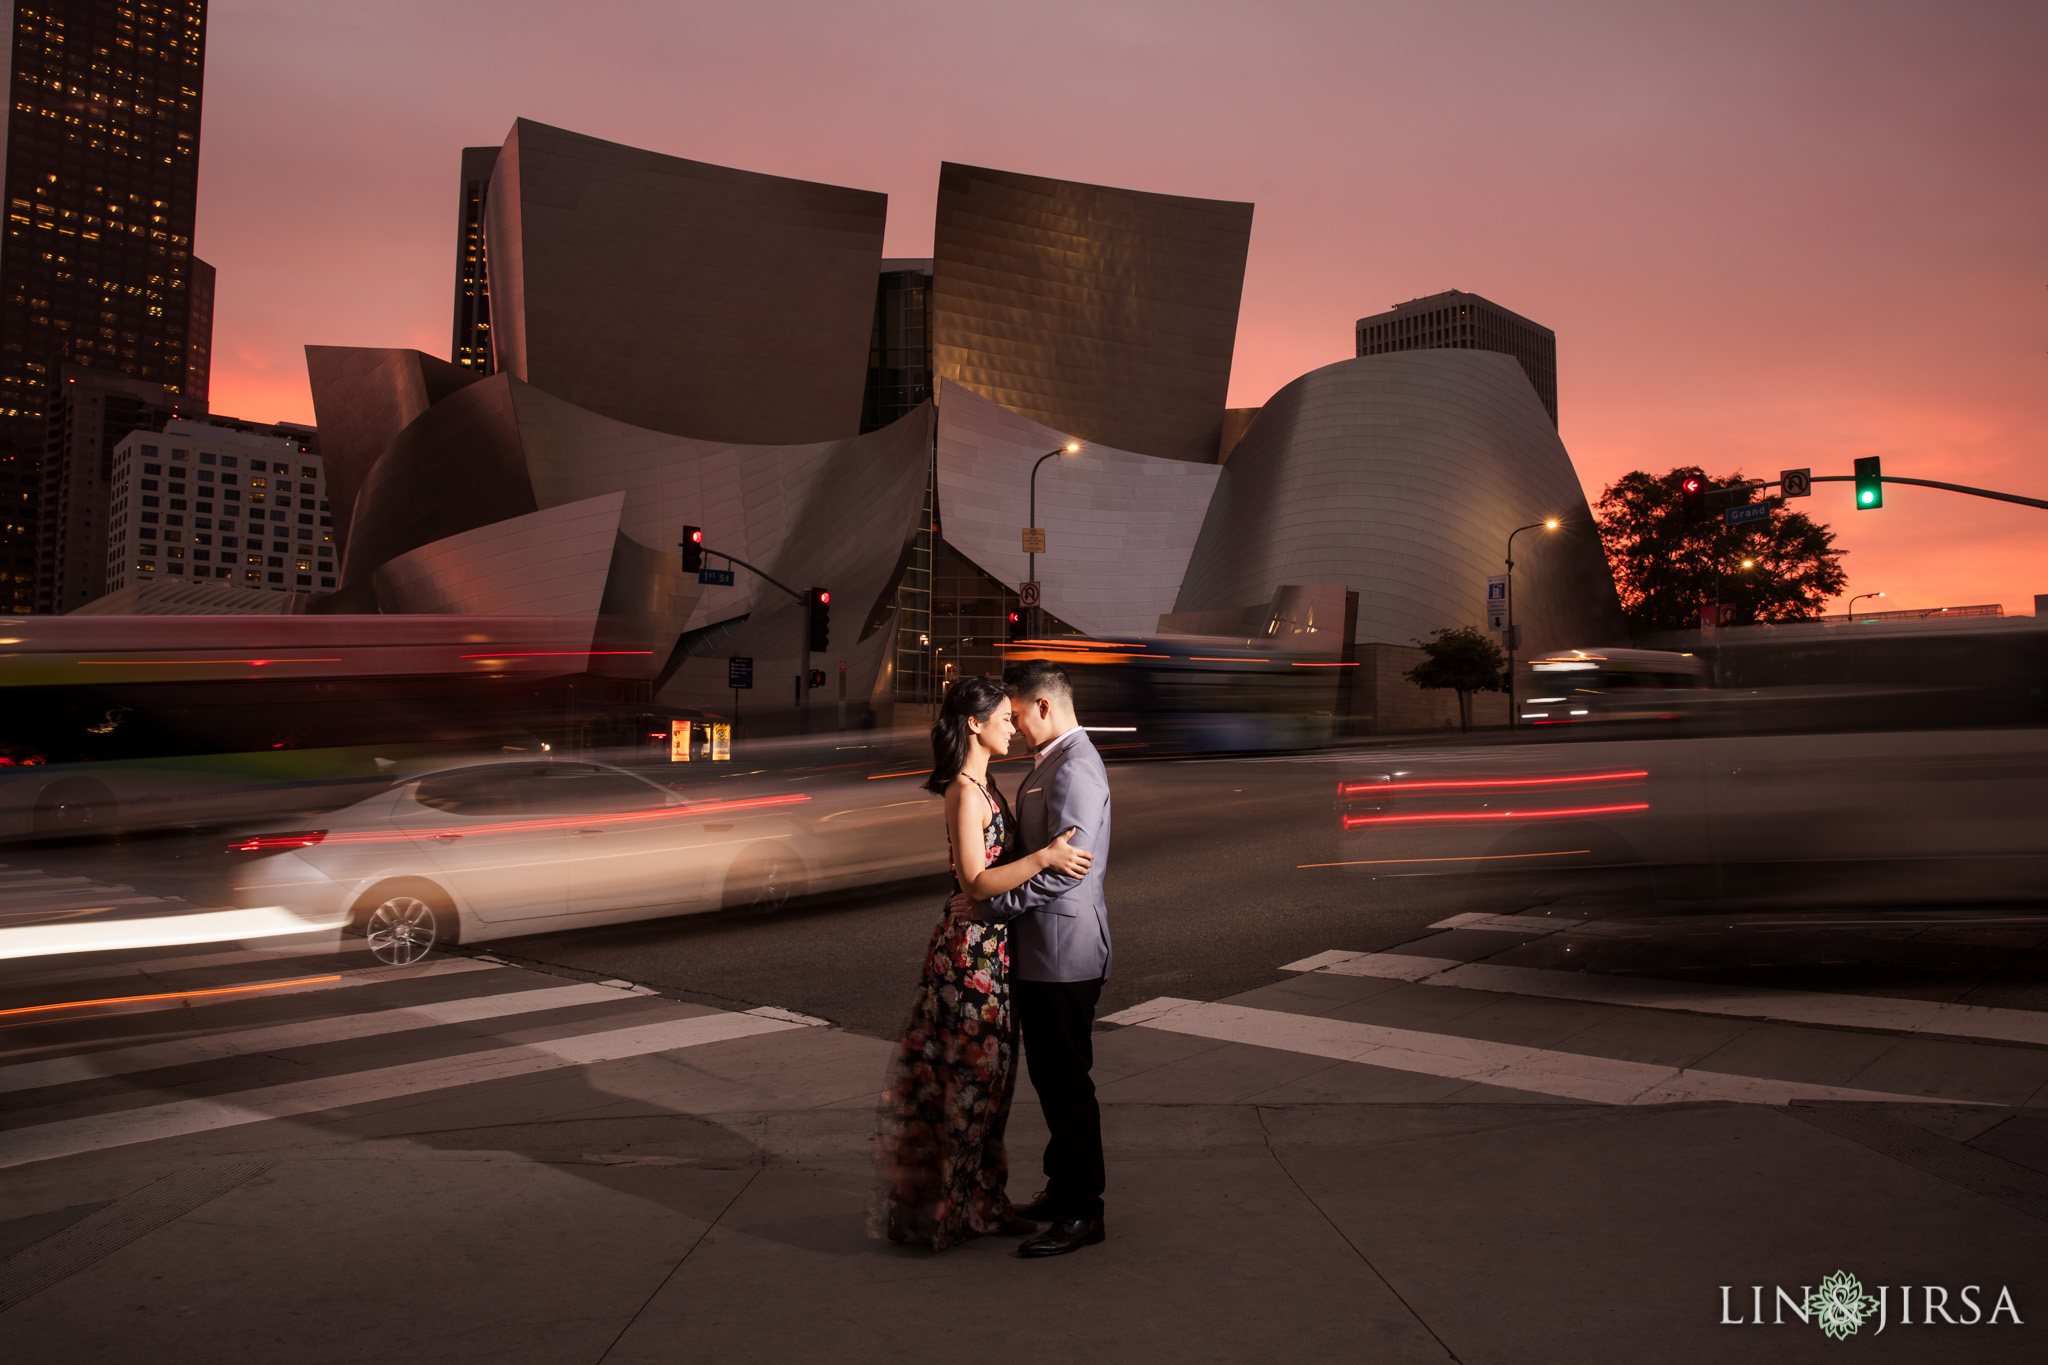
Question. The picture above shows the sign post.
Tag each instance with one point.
(1497, 603)
(739, 672)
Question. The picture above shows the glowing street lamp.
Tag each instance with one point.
(1851, 613)
(1547, 524)
(1031, 556)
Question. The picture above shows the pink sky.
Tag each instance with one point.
(1767, 235)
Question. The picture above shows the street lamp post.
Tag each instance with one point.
(1547, 524)
(1031, 557)
(1851, 613)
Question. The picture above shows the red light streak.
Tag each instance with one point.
(1346, 665)
(1447, 817)
(1486, 783)
(1219, 659)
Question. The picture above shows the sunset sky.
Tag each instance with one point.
(1767, 235)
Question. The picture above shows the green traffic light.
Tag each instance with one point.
(1869, 497)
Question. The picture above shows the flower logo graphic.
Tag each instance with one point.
(1840, 1306)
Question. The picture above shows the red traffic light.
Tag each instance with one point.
(1691, 485)
(824, 596)
(1016, 617)
(696, 536)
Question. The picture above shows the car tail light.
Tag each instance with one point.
(277, 843)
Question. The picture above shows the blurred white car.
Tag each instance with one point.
(493, 850)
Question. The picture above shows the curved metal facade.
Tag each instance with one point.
(680, 296)
(1401, 477)
(1119, 527)
(1107, 313)
(363, 396)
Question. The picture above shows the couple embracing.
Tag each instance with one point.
(1021, 952)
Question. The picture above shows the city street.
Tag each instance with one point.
(1391, 1127)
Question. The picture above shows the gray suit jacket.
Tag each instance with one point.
(1059, 927)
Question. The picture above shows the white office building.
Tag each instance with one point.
(195, 501)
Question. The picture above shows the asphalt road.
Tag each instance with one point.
(1207, 896)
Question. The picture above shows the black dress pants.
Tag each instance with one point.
(1058, 1021)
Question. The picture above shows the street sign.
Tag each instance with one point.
(1795, 483)
(1497, 602)
(1751, 511)
(1027, 594)
(722, 577)
(739, 671)
(1034, 540)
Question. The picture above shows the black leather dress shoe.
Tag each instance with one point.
(1040, 1208)
(1065, 1235)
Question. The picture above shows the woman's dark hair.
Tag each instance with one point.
(977, 697)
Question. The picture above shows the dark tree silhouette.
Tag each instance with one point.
(1667, 565)
(1462, 660)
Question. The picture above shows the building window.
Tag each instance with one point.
(227, 542)
(177, 504)
(305, 580)
(326, 582)
(306, 518)
(206, 457)
(227, 462)
(206, 507)
(276, 563)
(152, 500)
(275, 577)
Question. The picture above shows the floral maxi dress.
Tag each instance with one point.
(940, 1164)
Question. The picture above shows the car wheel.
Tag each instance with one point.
(763, 879)
(403, 922)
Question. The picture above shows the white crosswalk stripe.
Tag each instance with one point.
(1934, 1017)
(1567, 1075)
(310, 1033)
(611, 1021)
(1458, 1020)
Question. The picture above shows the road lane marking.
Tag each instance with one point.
(170, 1000)
(181, 1118)
(1932, 1017)
(1567, 1075)
(307, 1033)
(1510, 924)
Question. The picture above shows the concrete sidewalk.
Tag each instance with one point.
(708, 1205)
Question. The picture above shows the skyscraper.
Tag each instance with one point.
(471, 348)
(96, 268)
(1456, 320)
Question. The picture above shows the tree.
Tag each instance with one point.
(1462, 660)
(1666, 565)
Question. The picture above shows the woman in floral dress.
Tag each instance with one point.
(940, 1164)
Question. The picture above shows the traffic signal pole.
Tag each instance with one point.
(803, 676)
(1993, 494)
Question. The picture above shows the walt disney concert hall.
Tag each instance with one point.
(647, 343)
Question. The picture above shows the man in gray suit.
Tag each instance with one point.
(1059, 952)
